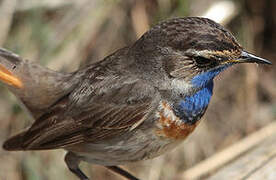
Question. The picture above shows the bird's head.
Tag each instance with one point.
(193, 49)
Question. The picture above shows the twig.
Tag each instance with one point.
(7, 8)
(218, 160)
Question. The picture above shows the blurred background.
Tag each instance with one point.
(66, 34)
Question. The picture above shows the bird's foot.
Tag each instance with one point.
(122, 172)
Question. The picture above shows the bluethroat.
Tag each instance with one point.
(135, 104)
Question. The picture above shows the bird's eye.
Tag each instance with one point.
(202, 60)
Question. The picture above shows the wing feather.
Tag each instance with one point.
(99, 118)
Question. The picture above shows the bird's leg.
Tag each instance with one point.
(73, 162)
(122, 172)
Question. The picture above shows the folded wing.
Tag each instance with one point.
(94, 111)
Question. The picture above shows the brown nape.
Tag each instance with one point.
(8, 78)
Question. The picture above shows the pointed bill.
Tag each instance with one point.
(250, 58)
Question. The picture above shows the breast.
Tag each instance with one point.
(177, 119)
(169, 125)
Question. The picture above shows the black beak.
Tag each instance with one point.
(250, 58)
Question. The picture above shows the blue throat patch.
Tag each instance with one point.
(201, 80)
(191, 108)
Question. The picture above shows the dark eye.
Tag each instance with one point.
(202, 60)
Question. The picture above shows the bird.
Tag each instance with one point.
(136, 104)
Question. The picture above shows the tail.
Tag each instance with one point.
(6, 67)
(36, 86)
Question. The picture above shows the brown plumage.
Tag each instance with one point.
(135, 104)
